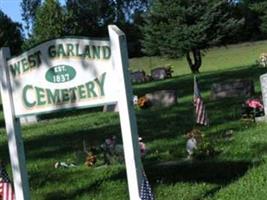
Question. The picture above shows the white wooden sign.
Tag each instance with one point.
(69, 73)
(63, 73)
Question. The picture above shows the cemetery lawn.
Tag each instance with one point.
(237, 171)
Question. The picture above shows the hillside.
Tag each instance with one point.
(237, 171)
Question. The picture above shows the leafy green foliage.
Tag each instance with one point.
(176, 28)
(260, 7)
(10, 33)
(29, 8)
(91, 18)
(50, 21)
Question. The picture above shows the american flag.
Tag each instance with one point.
(146, 192)
(6, 190)
(200, 110)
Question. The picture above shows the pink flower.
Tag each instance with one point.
(254, 103)
(143, 148)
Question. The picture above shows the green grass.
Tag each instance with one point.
(214, 59)
(237, 172)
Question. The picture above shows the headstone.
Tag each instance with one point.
(32, 119)
(232, 88)
(161, 73)
(111, 108)
(158, 74)
(162, 98)
(138, 77)
(263, 80)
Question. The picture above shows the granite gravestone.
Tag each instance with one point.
(32, 119)
(138, 77)
(232, 88)
(162, 98)
(161, 73)
(158, 74)
(111, 108)
(263, 80)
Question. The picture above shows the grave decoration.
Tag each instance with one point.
(108, 153)
(194, 137)
(143, 147)
(232, 88)
(161, 73)
(143, 102)
(111, 150)
(90, 155)
(62, 164)
(135, 100)
(6, 188)
(199, 147)
(262, 61)
(251, 108)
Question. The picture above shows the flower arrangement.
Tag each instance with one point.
(199, 147)
(143, 148)
(112, 151)
(262, 61)
(251, 108)
(143, 102)
(90, 159)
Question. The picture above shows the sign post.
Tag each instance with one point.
(69, 73)
(126, 112)
(15, 143)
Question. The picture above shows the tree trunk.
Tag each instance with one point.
(194, 60)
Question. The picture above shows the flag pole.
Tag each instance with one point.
(199, 107)
(194, 111)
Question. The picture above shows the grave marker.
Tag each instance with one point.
(263, 81)
(232, 88)
(162, 98)
(161, 73)
(138, 77)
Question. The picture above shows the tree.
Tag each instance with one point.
(50, 21)
(176, 28)
(10, 34)
(91, 18)
(84, 17)
(29, 8)
(259, 8)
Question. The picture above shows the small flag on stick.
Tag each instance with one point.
(146, 192)
(6, 190)
(200, 110)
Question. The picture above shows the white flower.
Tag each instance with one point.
(263, 59)
(191, 145)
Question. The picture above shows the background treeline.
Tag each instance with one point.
(142, 21)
